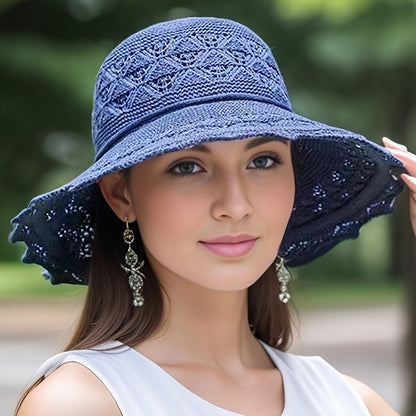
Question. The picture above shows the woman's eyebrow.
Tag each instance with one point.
(256, 141)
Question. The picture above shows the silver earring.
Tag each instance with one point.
(132, 268)
(284, 278)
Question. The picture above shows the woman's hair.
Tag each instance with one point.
(109, 313)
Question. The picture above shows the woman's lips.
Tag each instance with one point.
(231, 246)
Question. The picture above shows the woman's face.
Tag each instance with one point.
(214, 215)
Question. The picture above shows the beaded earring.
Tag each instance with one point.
(284, 278)
(132, 267)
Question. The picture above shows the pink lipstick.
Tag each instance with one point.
(231, 246)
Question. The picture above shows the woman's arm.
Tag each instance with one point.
(376, 405)
(71, 390)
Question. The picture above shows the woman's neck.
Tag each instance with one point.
(207, 327)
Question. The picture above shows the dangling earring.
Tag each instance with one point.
(284, 278)
(135, 275)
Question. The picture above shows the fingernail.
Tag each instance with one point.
(399, 145)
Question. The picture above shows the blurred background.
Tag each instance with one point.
(350, 63)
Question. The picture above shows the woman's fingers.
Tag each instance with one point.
(390, 144)
(409, 160)
(400, 152)
(410, 181)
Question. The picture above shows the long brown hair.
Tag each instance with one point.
(109, 313)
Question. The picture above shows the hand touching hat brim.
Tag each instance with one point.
(409, 160)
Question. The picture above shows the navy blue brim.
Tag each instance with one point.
(342, 181)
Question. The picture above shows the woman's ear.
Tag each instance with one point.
(115, 192)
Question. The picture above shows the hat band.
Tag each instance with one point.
(102, 150)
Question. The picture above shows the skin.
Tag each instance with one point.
(409, 160)
(181, 200)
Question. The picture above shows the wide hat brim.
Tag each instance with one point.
(342, 181)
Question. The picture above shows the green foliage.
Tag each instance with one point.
(337, 294)
(330, 9)
(4, 4)
(25, 282)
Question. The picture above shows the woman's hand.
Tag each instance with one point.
(409, 160)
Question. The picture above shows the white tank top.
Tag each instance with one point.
(142, 388)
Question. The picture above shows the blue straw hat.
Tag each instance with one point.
(194, 80)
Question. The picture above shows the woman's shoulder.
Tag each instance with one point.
(375, 404)
(70, 390)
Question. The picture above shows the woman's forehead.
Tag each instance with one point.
(246, 143)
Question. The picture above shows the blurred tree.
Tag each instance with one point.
(350, 63)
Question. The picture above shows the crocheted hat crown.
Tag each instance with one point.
(178, 64)
(189, 81)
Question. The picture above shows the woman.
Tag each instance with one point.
(205, 185)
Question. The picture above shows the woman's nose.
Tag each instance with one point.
(230, 198)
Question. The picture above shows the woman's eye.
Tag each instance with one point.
(186, 168)
(263, 162)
